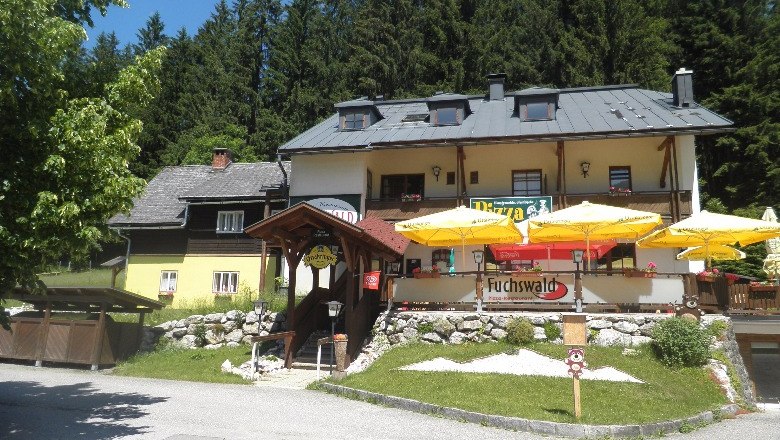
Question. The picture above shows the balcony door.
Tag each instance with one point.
(395, 185)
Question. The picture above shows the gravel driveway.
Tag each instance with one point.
(56, 403)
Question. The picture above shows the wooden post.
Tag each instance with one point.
(479, 292)
(100, 329)
(140, 329)
(114, 273)
(389, 288)
(43, 335)
(577, 404)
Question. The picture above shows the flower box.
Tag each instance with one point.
(427, 275)
(636, 273)
(763, 288)
(411, 197)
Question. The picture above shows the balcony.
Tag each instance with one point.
(653, 201)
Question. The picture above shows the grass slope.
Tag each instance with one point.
(198, 365)
(667, 394)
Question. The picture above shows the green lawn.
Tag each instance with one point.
(88, 278)
(667, 394)
(196, 365)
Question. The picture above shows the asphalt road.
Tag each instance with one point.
(55, 403)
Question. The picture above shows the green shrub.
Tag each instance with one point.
(717, 329)
(425, 328)
(551, 331)
(200, 333)
(520, 331)
(681, 343)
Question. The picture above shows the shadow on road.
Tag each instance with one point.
(29, 410)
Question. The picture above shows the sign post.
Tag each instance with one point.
(575, 334)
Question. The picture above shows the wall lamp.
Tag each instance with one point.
(585, 167)
(436, 171)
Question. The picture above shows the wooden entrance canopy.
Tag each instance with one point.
(293, 230)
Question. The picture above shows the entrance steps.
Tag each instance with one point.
(306, 358)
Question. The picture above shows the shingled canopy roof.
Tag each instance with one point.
(166, 196)
(384, 232)
(582, 113)
(300, 220)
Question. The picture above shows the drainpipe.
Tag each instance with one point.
(127, 256)
(284, 173)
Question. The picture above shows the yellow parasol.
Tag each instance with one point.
(707, 228)
(591, 221)
(716, 252)
(772, 260)
(461, 226)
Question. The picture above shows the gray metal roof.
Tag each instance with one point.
(597, 112)
(166, 196)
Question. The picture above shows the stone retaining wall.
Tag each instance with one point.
(213, 330)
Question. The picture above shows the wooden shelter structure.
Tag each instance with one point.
(96, 340)
(296, 231)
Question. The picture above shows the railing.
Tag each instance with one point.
(653, 201)
(360, 322)
(307, 318)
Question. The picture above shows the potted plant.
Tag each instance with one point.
(281, 285)
(618, 191)
(410, 197)
(428, 272)
(709, 276)
(762, 286)
(648, 272)
(731, 278)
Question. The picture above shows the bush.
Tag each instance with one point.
(551, 331)
(681, 343)
(717, 329)
(520, 331)
(424, 328)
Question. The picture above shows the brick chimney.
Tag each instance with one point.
(221, 159)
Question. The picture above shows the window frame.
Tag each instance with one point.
(457, 121)
(216, 288)
(550, 114)
(350, 119)
(233, 214)
(621, 168)
(163, 274)
(526, 194)
(450, 177)
(474, 177)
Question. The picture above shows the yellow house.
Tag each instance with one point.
(185, 233)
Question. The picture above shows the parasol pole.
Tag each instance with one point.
(708, 260)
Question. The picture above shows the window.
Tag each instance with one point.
(354, 121)
(441, 259)
(230, 221)
(450, 177)
(395, 185)
(527, 183)
(168, 281)
(447, 116)
(474, 177)
(619, 257)
(225, 282)
(620, 178)
(536, 111)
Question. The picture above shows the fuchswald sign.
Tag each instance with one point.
(525, 288)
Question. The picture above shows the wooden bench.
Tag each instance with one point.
(257, 340)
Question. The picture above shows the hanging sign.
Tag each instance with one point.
(516, 208)
(529, 287)
(320, 257)
(345, 207)
(371, 280)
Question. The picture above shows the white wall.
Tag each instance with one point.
(328, 174)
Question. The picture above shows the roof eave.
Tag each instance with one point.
(522, 139)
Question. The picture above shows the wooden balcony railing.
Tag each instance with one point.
(660, 202)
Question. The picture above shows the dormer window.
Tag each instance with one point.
(536, 104)
(447, 116)
(357, 115)
(448, 109)
(354, 121)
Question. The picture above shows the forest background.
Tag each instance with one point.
(258, 72)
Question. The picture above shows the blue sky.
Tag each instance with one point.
(126, 22)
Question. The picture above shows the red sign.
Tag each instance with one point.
(371, 280)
